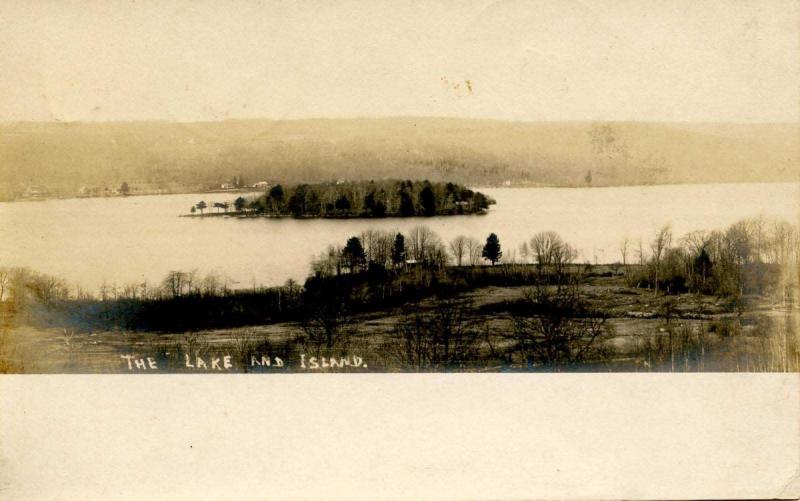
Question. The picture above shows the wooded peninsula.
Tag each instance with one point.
(358, 199)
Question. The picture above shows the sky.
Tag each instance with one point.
(201, 60)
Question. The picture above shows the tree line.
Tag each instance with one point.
(387, 198)
(751, 256)
(420, 247)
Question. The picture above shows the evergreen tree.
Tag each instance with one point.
(406, 205)
(297, 202)
(379, 210)
(276, 192)
(427, 200)
(399, 250)
(703, 266)
(479, 201)
(491, 251)
(313, 205)
(369, 203)
(354, 255)
(342, 204)
(276, 198)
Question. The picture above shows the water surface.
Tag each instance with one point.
(133, 239)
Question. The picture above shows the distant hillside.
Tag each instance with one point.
(63, 157)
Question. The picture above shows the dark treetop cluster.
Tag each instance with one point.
(385, 198)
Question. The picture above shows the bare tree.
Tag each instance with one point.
(562, 256)
(47, 289)
(640, 252)
(459, 248)
(623, 250)
(739, 240)
(378, 246)
(542, 247)
(553, 327)
(659, 246)
(419, 240)
(524, 252)
(758, 232)
(474, 251)
(328, 263)
(213, 283)
(696, 241)
(327, 321)
(444, 337)
(130, 291)
(436, 254)
(381, 250)
(780, 242)
(177, 283)
(549, 249)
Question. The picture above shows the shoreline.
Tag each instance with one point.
(476, 187)
(137, 194)
(237, 215)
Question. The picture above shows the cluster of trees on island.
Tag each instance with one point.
(372, 199)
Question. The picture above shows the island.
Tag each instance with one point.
(354, 199)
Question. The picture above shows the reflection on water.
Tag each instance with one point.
(122, 240)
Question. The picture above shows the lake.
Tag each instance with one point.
(125, 240)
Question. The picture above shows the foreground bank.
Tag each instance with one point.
(599, 324)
